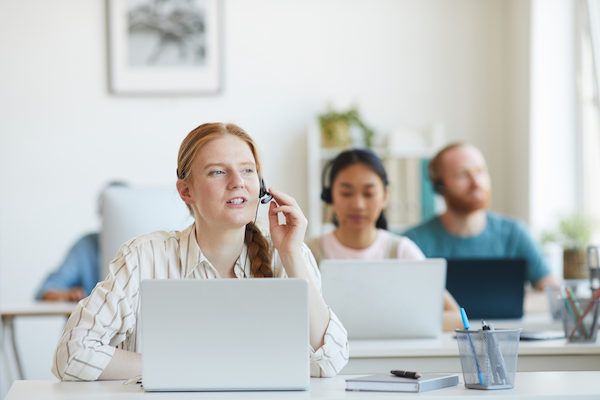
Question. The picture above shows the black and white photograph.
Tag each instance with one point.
(169, 33)
(163, 46)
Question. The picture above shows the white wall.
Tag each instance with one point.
(63, 136)
(553, 140)
(515, 158)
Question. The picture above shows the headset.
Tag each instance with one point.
(438, 184)
(326, 191)
(264, 196)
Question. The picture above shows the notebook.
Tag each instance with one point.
(386, 299)
(488, 288)
(225, 334)
(392, 383)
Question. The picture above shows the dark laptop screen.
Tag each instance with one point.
(488, 288)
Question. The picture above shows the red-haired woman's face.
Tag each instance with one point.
(358, 196)
(224, 188)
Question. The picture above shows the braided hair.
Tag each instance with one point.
(258, 253)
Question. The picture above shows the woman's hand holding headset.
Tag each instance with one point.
(287, 238)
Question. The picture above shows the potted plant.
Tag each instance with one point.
(573, 234)
(335, 128)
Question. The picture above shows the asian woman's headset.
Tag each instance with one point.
(326, 190)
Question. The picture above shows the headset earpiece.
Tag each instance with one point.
(326, 195)
(439, 187)
(326, 191)
(264, 196)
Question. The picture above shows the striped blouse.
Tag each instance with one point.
(107, 319)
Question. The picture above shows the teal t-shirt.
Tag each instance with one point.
(503, 237)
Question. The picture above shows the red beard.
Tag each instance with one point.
(468, 203)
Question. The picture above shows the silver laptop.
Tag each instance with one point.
(386, 299)
(225, 335)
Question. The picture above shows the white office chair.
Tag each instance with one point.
(128, 212)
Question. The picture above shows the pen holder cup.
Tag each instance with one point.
(489, 358)
(578, 329)
(554, 294)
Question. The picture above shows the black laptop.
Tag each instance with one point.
(488, 288)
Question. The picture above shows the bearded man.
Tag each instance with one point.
(467, 229)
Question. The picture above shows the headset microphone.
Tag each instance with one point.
(264, 195)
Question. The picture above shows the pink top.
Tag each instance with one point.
(333, 249)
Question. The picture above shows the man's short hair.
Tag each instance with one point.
(434, 168)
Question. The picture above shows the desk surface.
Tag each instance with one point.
(528, 385)
(447, 346)
(441, 355)
(38, 308)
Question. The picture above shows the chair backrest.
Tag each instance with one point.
(128, 212)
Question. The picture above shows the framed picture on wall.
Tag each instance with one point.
(163, 46)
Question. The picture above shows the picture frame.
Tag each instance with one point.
(163, 47)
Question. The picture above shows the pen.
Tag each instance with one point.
(465, 320)
(406, 374)
(489, 348)
(496, 355)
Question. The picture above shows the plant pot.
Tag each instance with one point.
(575, 264)
(335, 134)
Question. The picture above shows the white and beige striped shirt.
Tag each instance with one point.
(107, 319)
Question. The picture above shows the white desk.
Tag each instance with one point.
(426, 355)
(34, 309)
(423, 355)
(528, 385)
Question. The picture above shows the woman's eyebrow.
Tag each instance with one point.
(212, 165)
(225, 165)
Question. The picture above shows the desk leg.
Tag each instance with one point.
(7, 321)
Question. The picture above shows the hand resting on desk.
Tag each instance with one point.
(123, 365)
(73, 294)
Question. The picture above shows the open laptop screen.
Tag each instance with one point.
(225, 334)
(386, 299)
(488, 288)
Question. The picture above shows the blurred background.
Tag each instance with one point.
(513, 77)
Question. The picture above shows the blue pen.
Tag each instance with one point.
(465, 320)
